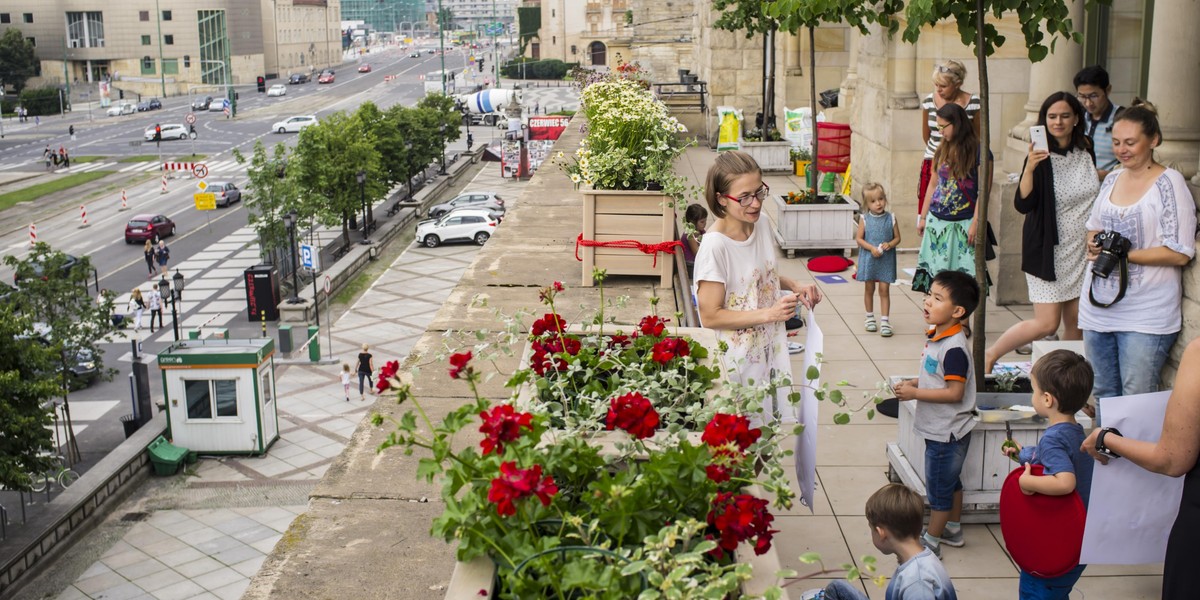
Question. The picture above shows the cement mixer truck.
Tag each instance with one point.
(488, 106)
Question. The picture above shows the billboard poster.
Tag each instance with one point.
(547, 128)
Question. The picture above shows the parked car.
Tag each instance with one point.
(495, 213)
(465, 225)
(124, 108)
(148, 227)
(170, 131)
(364, 68)
(217, 105)
(80, 368)
(202, 103)
(473, 199)
(294, 124)
(148, 105)
(326, 77)
(226, 192)
(298, 78)
(39, 270)
(277, 90)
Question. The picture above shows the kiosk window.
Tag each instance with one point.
(206, 398)
(264, 387)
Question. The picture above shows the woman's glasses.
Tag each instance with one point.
(747, 199)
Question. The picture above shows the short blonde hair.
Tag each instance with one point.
(950, 72)
(366, 347)
(728, 166)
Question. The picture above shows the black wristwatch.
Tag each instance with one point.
(1101, 447)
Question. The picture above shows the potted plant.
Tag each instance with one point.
(801, 159)
(768, 148)
(805, 219)
(626, 164)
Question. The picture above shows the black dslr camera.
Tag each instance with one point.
(1113, 248)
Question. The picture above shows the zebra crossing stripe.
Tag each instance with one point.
(130, 168)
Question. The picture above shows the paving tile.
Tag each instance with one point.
(254, 533)
(141, 569)
(219, 544)
(266, 545)
(72, 593)
(236, 554)
(218, 578)
(92, 586)
(166, 546)
(97, 568)
(179, 557)
(232, 591)
(234, 523)
(199, 566)
(125, 591)
(1125, 587)
(159, 580)
(124, 559)
(799, 535)
(179, 591)
(181, 527)
(849, 487)
(200, 536)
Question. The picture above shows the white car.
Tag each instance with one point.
(277, 90)
(124, 108)
(463, 224)
(170, 131)
(294, 124)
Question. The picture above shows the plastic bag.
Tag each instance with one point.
(730, 132)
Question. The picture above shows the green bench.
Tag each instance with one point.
(166, 457)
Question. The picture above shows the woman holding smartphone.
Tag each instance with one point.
(1057, 189)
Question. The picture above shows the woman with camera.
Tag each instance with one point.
(1058, 187)
(1141, 232)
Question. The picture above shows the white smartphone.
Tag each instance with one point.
(1037, 135)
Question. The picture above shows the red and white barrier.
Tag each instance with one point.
(83, 216)
(32, 234)
(164, 183)
(124, 201)
(178, 166)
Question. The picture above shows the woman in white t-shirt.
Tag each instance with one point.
(1127, 338)
(738, 285)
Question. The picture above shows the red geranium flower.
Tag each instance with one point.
(388, 371)
(717, 473)
(558, 286)
(724, 430)
(652, 325)
(618, 341)
(633, 413)
(502, 425)
(550, 323)
(458, 363)
(514, 484)
(669, 348)
(738, 518)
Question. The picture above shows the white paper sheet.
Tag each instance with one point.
(806, 443)
(1131, 509)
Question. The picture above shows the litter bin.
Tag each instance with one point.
(262, 292)
(286, 343)
(131, 425)
(314, 347)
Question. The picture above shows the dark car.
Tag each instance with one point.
(81, 369)
(148, 105)
(148, 227)
(202, 103)
(39, 269)
(226, 192)
(298, 78)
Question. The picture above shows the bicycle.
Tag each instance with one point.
(62, 474)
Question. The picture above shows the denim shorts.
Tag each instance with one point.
(943, 465)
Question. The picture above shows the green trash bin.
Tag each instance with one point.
(314, 347)
(193, 334)
(286, 343)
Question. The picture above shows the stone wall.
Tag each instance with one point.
(662, 37)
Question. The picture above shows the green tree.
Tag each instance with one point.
(325, 164)
(445, 112)
(271, 194)
(27, 376)
(55, 294)
(17, 60)
(1039, 19)
(422, 141)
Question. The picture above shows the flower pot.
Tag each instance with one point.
(476, 579)
(814, 226)
(622, 216)
(770, 156)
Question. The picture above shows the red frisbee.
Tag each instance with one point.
(829, 264)
(1044, 534)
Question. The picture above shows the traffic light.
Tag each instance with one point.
(157, 133)
(71, 130)
(262, 84)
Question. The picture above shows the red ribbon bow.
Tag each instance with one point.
(651, 249)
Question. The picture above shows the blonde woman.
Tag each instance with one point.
(148, 251)
(948, 78)
(136, 306)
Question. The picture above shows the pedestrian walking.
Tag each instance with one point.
(136, 305)
(155, 301)
(64, 158)
(148, 251)
(346, 380)
(365, 367)
(162, 254)
(48, 156)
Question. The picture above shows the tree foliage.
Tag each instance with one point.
(18, 63)
(1039, 19)
(271, 194)
(27, 376)
(444, 112)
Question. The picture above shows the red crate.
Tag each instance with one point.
(833, 147)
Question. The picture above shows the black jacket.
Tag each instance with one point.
(1040, 234)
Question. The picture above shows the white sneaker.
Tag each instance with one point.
(795, 347)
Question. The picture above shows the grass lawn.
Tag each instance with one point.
(34, 192)
(79, 160)
(139, 158)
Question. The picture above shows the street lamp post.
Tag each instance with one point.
(442, 51)
(361, 177)
(408, 159)
(443, 169)
(174, 290)
(162, 73)
(289, 221)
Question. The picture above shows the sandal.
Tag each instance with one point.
(885, 329)
(870, 324)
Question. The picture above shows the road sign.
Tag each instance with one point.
(328, 285)
(205, 201)
(308, 257)
(225, 102)
(190, 118)
(200, 185)
(200, 171)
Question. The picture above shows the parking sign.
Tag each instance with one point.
(308, 257)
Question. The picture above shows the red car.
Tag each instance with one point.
(325, 77)
(365, 68)
(148, 227)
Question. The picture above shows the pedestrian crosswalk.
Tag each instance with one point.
(221, 167)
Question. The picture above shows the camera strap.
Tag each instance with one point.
(1124, 282)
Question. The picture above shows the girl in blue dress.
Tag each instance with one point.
(877, 237)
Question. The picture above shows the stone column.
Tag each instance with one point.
(850, 83)
(903, 88)
(1174, 80)
(1053, 74)
(791, 53)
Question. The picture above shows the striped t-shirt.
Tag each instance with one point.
(935, 136)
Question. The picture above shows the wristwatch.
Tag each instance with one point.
(1103, 449)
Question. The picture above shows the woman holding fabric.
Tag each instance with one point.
(1141, 232)
(1058, 187)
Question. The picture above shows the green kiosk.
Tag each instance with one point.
(220, 395)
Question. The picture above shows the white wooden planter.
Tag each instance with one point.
(770, 156)
(612, 215)
(814, 226)
(985, 468)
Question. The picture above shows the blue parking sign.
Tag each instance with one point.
(308, 257)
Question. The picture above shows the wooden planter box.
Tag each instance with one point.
(770, 156)
(814, 226)
(985, 468)
(611, 215)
